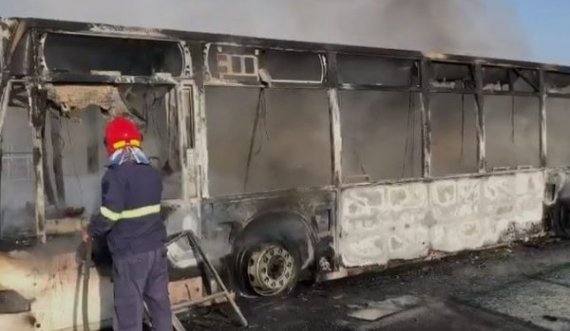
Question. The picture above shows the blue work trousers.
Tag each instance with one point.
(137, 279)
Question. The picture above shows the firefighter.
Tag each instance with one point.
(130, 220)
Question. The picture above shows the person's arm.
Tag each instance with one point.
(112, 204)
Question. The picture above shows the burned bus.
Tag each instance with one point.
(289, 160)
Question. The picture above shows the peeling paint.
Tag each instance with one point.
(78, 97)
(406, 221)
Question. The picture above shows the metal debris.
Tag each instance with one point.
(380, 309)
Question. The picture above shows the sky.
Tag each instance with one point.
(546, 25)
(534, 30)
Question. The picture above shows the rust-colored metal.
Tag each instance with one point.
(76, 97)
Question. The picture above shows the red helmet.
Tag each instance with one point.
(120, 133)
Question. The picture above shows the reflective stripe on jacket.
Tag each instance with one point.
(130, 210)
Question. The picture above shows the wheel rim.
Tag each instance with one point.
(270, 269)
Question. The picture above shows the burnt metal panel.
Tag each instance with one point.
(356, 87)
(556, 82)
(21, 57)
(80, 54)
(267, 139)
(293, 66)
(224, 218)
(510, 81)
(16, 49)
(451, 76)
(375, 70)
(229, 64)
(513, 132)
(557, 117)
(192, 37)
(165, 34)
(376, 124)
(108, 79)
(454, 149)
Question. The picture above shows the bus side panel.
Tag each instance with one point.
(387, 222)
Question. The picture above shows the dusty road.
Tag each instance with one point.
(518, 288)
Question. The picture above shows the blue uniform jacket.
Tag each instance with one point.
(130, 211)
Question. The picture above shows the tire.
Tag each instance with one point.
(268, 268)
(560, 220)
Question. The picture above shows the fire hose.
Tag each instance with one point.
(189, 235)
(86, 268)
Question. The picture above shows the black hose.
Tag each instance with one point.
(86, 267)
(260, 111)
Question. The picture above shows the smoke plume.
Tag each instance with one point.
(474, 27)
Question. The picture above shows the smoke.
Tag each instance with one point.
(290, 146)
(480, 27)
(442, 25)
(475, 27)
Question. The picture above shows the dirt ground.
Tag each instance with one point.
(522, 287)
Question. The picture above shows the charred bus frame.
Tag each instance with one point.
(331, 228)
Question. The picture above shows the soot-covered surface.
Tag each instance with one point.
(525, 287)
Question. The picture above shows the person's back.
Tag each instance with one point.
(130, 220)
(145, 230)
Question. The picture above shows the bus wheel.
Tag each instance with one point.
(271, 269)
(560, 220)
(267, 268)
(271, 254)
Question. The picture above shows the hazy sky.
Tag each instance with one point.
(523, 29)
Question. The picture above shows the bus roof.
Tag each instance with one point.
(165, 34)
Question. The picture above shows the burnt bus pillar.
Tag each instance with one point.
(425, 74)
(94, 128)
(480, 117)
(57, 163)
(37, 105)
(542, 116)
(334, 115)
